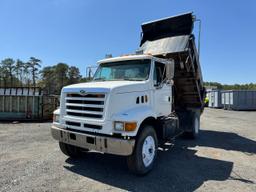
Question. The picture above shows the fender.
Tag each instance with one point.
(137, 114)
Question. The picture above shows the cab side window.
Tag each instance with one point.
(159, 73)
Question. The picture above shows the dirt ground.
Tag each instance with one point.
(222, 159)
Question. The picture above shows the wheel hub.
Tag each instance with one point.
(148, 150)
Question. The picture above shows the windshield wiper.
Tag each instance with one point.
(124, 79)
(100, 78)
(128, 79)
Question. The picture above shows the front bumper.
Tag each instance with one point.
(99, 143)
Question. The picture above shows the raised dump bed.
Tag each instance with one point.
(172, 38)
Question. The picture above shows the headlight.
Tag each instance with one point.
(56, 118)
(125, 126)
(119, 126)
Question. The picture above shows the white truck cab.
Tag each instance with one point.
(127, 109)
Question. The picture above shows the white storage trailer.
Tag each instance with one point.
(26, 103)
(239, 99)
(214, 99)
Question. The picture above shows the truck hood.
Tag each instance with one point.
(108, 86)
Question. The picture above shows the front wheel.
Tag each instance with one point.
(70, 150)
(145, 152)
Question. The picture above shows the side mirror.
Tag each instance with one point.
(157, 84)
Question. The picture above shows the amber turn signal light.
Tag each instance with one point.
(130, 126)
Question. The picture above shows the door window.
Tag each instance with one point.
(159, 73)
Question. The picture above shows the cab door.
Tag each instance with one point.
(162, 91)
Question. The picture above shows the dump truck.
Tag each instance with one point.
(136, 102)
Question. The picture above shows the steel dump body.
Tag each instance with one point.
(172, 38)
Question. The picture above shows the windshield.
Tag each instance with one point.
(134, 70)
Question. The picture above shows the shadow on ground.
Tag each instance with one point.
(177, 169)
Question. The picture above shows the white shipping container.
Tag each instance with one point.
(214, 98)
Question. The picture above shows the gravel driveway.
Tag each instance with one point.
(222, 159)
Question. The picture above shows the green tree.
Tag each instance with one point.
(250, 86)
(34, 65)
(54, 78)
(48, 80)
(3, 77)
(61, 73)
(26, 74)
(8, 68)
(85, 79)
(73, 75)
(19, 67)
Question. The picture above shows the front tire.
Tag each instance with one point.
(144, 154)
(70, 150)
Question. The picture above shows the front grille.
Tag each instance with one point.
(87, 95)
(85, 102)
(85, 108)
(73, 123)
(84, 115)
(90, 105)
(92, 126)
(85, 125)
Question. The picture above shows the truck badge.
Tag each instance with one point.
(82, 92)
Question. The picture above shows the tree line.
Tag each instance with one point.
(18, 73)
(248, 86)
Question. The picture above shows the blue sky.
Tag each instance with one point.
(80, 32)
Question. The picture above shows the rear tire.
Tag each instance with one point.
(144, 154)
(70, 150)
(194, 126)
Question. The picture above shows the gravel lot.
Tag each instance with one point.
(223, 159)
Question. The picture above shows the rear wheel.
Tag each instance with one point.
(70, 150)
(194, 126)
(145, 152)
